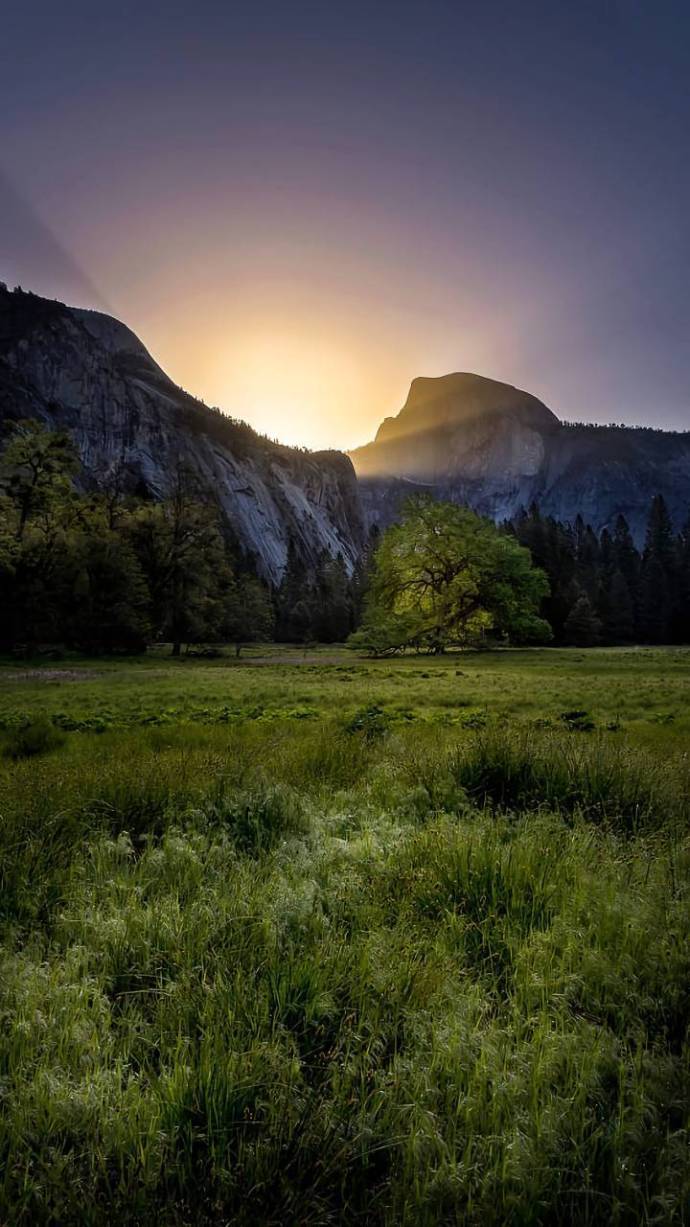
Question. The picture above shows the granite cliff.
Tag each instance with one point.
(460, 437)
(89, 374)
(496, 448)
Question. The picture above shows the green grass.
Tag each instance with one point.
(346, 942)
(644, 690)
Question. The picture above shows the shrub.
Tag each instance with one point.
(372, 722)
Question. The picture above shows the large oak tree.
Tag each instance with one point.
(444, 577)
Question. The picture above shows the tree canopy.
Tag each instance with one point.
(444, 576)
(632, 596)
(249, 616)
(107, 571)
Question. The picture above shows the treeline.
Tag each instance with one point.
(322, 604)
(105, 571)
(603, 589)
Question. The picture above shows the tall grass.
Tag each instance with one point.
(604, 780)
(307, 975)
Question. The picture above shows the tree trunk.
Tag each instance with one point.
(176, 649)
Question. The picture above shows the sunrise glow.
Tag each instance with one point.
(283, 378)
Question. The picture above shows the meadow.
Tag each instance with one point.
(311, 938)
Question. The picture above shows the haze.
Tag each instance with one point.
(300, 207)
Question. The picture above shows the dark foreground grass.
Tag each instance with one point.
(289, 973)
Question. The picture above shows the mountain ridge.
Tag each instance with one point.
(497, 448)
(462, 436)
(88, 373)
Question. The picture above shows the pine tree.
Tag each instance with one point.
(587, 559)
(248, 615)
(295, 604)
(683, 555)
(626, 559)
(333, 619)
(655, 613)
(658, 576)
(605, 600)
(625, 556)
(582, 627)
(659, 540)
(619, 620)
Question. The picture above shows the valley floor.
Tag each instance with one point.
(308, 938)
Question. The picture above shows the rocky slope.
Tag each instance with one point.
(485, 443)
(87, 373)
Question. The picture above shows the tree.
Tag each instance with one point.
(334, 618)
(109, 606)
(361, 575)
(659, 539)
(37, 588)
(37, 511)
(582, 627)
(36, 467)
(295, 601)
(181, 551)
(444, 576)
(587, 558)
(9, 555)
(604, 580)
(658, 576)
(248, 615)
(683, 619)
(626, 558)
(619, 620)
(552, 548)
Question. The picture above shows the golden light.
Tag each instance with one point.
(291, 384)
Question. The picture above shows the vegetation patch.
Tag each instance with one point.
(32, 737)
(603, 782)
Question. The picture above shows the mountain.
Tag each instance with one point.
(85, 372)
(460, 437)
(496, 448)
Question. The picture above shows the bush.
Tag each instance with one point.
(38, 737)
(372, 722)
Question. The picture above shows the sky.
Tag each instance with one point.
(299, 207)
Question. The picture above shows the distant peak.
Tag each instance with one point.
(446, 400)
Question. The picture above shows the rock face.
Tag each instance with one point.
(87, 373)
(460, 437)
(487, 444)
